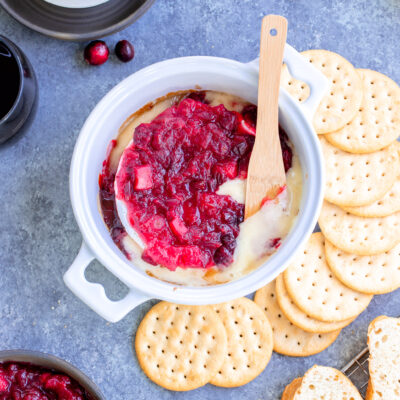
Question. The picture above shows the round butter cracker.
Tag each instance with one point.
(316, 291)
(359, 235)
(387, 205)
(300, 318)
(180, 347)
(288, 338)
(368, 274)
(377, 122)
(249, 342)
(358, 179)
(297, 89)
(344, 98)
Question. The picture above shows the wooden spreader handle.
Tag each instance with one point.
(266, 173)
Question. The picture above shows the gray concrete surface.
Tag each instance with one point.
(39, 237)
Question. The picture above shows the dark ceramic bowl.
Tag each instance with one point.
(76, 23)
(55, 363)
(20, 117)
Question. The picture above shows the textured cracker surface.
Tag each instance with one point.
(288, 338)
(368, 274)
(249, 347)
(299, 318)
(38, 233)
(359, 235)
(344, 97)
(180, 347)
(377, 122)
(297, 89)
(325, 383)
(388, 204)
(358, 179)
(315, 289)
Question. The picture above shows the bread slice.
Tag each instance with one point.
(384, 359)
(322, 383)
(290, 390)
(369, 393)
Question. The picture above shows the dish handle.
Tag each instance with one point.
(301, 69)
(94, 295)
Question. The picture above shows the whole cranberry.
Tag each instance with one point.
(96, 52)
(124, 51)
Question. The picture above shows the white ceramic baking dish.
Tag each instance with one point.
(102, 126)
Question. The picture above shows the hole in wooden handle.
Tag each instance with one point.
(273, 32)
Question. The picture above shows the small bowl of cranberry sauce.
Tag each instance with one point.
(29, 375)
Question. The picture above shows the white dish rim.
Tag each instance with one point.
(143, 287)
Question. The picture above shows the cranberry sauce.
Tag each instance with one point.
(107, 202)
(168, 179)
(23, 381)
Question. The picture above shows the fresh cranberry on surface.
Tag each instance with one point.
(124, 51)
(96, 52)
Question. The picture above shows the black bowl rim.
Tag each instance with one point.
(107, 30)
(50, 361)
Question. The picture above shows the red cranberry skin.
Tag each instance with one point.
(124, 51)
(96, 52)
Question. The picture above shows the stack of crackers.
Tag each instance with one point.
(357, 254)
(307, 305)
(358, 123)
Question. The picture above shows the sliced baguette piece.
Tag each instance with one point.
(369, 393)
(290, 390)
(384, 359)
(324, 383)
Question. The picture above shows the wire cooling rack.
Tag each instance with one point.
(357, 371)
